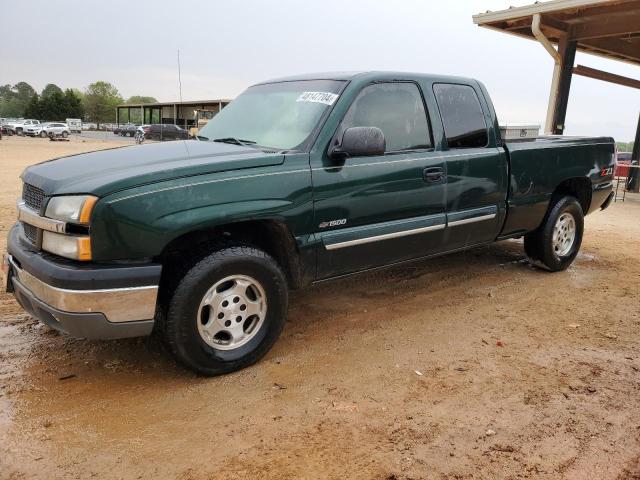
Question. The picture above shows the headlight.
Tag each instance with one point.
(71, 208)
(69, 246)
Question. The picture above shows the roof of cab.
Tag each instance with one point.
(369, 75)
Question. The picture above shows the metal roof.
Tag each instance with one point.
(171, 104)
(608, 28)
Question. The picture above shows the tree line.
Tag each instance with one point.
(96, 103)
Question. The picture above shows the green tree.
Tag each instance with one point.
(138, 99)
(33, 108)
(15, 99)
(49, 90)
(52, 105)
(72, 104)
(100, 100)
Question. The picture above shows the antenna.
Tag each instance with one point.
(180, 87)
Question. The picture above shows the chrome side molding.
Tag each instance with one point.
(384, 236)
(464, 221)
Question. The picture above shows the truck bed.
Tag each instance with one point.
(538, 166)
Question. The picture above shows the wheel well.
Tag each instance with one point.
(271, 236)
(576, 187)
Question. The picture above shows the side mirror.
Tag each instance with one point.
(360, 142)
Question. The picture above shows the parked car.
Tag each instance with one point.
(19, 126)
(350, 173)
(35, 130)
(57, 129)
(7, 130)
(165, 132)
(128, 130)
(75, 124)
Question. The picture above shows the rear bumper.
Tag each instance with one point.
(607, 202)
(601, 196)
(86, 301)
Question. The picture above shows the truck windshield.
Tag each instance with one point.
(280, 116)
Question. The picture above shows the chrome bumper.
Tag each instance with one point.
(117, 305)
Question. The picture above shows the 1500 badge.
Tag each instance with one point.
(333, 223)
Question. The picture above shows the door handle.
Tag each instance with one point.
(433, 174)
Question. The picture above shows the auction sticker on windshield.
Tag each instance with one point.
(327, 98)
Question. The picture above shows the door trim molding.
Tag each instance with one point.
(384, 236)
(481, 218)
(362, 234)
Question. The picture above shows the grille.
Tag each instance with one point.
(33, 197)
(30, 232)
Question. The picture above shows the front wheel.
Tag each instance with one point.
(227, 311)
(555, 244)
(65, 134)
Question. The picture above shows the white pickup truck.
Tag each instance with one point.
(21, 125)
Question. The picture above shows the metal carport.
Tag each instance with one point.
(607, 28)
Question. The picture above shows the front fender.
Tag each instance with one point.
(138, 223)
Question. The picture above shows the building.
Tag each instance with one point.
(185, 114)
(607, 28)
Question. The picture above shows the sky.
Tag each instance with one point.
(225, 46)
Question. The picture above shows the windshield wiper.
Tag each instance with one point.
(235, 141)
(200, 137)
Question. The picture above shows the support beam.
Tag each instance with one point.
(633, 184)
(567, 50)
(610, 26)
(606, 76)
(614, 46)
(553, 94)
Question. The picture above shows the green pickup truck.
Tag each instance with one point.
(297, 181)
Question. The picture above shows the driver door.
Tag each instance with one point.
(377, 210)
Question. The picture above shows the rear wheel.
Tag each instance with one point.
(556, 243)
(43, 134)
(227, 311)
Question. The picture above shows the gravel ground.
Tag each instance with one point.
(474, 365)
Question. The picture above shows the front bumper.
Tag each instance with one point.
(86, 301)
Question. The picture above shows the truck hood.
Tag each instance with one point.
(107, 171)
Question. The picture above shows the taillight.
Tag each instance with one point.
(147, 130)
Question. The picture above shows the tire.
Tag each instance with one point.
(19, 131)
(65, 134)
(43, 134)
(188, 316)
(556, 253)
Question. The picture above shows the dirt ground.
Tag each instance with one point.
(473, 365)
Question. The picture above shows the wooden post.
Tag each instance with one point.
(567, 50)
(634, 173)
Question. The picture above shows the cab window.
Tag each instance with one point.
(395, 108)
(462, 116)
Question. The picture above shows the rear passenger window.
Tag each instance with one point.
(462, 116)
(397, 110)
